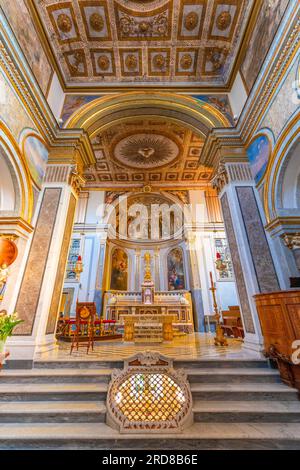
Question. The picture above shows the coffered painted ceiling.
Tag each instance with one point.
(158, 42)
(147, 151)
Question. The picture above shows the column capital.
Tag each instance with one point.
(72, 148)
(230, 172)
(68, 174)
(291, 240)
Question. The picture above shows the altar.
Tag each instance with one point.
(149, 316)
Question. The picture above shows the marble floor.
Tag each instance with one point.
(192, 346)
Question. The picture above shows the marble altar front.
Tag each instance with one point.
(169, 311)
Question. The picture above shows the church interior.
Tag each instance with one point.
(149, 224)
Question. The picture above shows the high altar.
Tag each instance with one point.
(149, 316)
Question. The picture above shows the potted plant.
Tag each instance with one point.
(7, 326)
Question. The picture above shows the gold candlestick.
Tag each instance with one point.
(220, 339)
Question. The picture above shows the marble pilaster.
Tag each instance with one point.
(41, 286)
(251, 248)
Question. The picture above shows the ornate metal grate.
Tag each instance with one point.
(153, 397)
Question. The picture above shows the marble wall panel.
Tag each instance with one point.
(238, 271)
(258, 244)
(30, 289)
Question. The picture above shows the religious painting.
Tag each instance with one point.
(220, 102)
(266, 25)
(119, 270)
(175, 263)
(73, 103)
(258, 154)
(37, 156)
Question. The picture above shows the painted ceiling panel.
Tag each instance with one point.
(159, 42)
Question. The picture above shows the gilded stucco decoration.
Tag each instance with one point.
(125, 41)
(147, 151)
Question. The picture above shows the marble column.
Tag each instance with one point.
(137, 281)
(40, 290)
(194, 249)
(157, 268)
(251, 248)
(98, 294)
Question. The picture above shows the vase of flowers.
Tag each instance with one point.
(7, 326)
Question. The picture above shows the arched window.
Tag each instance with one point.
(176, 278)
(119, 270)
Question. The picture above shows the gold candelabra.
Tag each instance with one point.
(78, 268)
(147, 260)
(220, 339)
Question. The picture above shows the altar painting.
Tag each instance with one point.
(176, 279)
(119, 270)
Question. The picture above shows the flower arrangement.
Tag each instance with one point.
(7, 326)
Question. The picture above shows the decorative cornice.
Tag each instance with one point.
(284, 224)
(16, 226)
(230, 144)
(285, 47)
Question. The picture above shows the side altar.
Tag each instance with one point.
(149, 316)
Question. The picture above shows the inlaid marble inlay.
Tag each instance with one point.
(60, 274)
(237, 267)
(258, 244)
(30, 289)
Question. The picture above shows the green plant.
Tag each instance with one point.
(7, 324)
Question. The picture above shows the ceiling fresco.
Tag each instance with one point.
(146, 151)
(115, 42)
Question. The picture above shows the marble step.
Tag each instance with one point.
(53, 412)
(91, 363)
(74, 363)
(95, 412)
(55, 376)
(244, 392)
(245, 412)
(218, 363)
(235, 375)
(97, 391)
(213, 375)
(53, 392)
(212, 436)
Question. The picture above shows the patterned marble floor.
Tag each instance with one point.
(193, 346)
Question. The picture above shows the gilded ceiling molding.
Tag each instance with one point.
(275, 68)
(104, 111)
(112, 43)
(230, 144)
(21, 78)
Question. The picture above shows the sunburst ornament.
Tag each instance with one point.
(146, 151)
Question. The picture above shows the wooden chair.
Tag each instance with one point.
(232, 323)
(85, 318)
